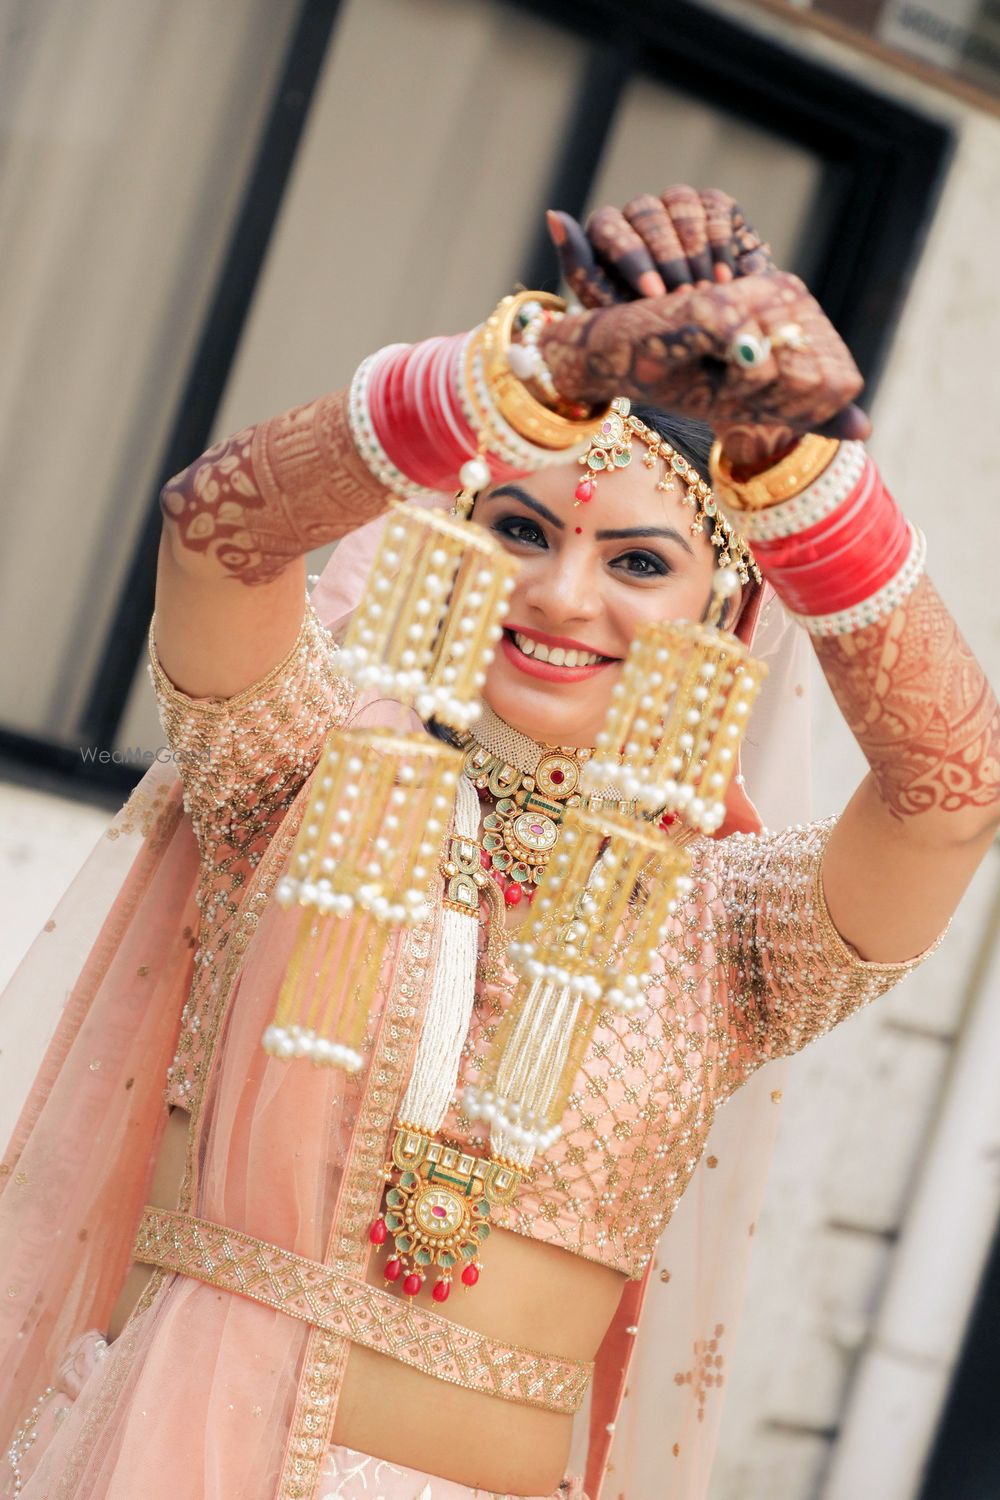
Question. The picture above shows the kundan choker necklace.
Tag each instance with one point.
(531, 786)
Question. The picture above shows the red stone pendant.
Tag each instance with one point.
(438, 1206)
(379, 1232)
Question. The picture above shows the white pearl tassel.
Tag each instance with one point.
(530, 1074)
(449, 1007)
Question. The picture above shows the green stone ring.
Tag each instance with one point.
(748, 352)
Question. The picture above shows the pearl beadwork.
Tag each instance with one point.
(590, 891)
(680, 709)
(362, 872)
(426, 626)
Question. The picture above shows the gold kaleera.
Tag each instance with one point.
(364, 864)
(677, 716)
(599, 917)
(367, 853)
(670, 742)
(426, 627)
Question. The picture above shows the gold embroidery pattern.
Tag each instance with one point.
(311, 1429)
(753, 969)
(706, 1372)
(364, 1314)
(243, 761)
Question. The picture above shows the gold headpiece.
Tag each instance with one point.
(611, 448)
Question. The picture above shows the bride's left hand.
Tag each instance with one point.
(654, 245)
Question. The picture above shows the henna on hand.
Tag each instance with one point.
(673, 352)
(655, 244)
(617, 244)
(272, 492)
(920, 707)
(753, 256)
(687, 212)
(651, 220)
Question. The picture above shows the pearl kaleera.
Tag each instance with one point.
(364, 864)
(678, 715)
(366, 858)
(425, 630)
(603, 907)
(598, 920)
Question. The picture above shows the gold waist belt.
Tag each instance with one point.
(364, 1314)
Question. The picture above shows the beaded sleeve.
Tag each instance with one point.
(242, 761)
(791, 977)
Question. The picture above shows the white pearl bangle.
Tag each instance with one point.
(817, 501)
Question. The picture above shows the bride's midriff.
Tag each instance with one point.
(531, 1294)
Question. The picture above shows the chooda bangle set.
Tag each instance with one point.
(826, 534)
(467, 410)
(390, 838)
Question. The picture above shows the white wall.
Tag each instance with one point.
(861, 1105)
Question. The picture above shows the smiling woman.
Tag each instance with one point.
(261, 1345)
(590, 575)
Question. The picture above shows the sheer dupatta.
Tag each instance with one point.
(89, 1024)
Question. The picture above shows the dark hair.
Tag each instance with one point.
(692, 438)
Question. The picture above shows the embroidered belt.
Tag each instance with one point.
(364, 1314)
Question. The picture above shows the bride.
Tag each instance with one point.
(202, 1295)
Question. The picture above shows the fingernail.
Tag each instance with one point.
(556, 227)
(651, 284)
(722, 273)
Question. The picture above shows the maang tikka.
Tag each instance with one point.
(611, 448)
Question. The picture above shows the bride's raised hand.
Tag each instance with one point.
(654, 245)
(686, 311)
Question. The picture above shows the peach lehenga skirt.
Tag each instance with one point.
(346, 1475)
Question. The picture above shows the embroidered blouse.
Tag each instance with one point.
(754, 968)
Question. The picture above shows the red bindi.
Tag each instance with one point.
(579, 530)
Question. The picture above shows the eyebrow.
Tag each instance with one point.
(633, 533)
(516, 493)
(625, 534)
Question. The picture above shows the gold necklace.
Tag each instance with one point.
(532, 786)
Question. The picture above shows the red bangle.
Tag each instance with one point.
(854, 563)
(846, 558)
(816, 540)
(417, 417)
(413, 435)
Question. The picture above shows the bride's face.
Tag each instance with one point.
(589, 576)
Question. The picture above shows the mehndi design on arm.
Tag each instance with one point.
(272, 492)
(920, 707)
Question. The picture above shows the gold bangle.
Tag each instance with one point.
(788, 477)
(532, 420)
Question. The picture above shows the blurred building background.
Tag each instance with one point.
(212, 209)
